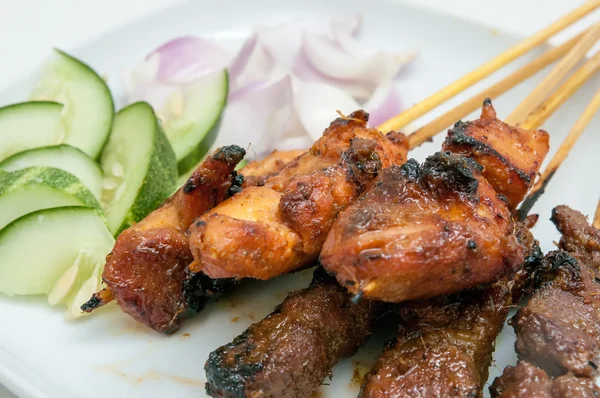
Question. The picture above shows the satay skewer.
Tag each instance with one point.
(561, 94)
(428, 131)
(596, 222)
(561, 153)
(488, 68)
(263, 379)
(405, 366)
(558, 73)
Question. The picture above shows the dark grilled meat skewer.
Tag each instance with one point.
(527, 380)
(559, 329)
(292, 351)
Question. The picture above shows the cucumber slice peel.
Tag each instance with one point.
(88, 105)
(139, 167)
(63, 157)
(36, 188)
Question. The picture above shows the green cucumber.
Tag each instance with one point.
(36, 188)
(29, 125)
(89, 108)
(38, 248)
(191, 118)
(139, 167)
(63, 157)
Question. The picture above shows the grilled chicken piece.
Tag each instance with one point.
(445, 345)
(292, 351)
(559, 329)
(527, 380)
(511, 156)
(257, 172)
(420, 232)
(146, 271)
(280, 227)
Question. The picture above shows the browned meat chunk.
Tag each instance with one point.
(423, 231)
(146, 271)
(445, 347)
(527, 380)
(578, 236)
(292, 351)
(511, 156)
(559, 329)
(523, 380)
(279, 227)
(257, 172)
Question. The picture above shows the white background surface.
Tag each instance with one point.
(29, 28)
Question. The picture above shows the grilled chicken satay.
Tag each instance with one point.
(292, 351)
(279, 227)
(422, 231)
(445, 345)
(257, 172)
(511, 156)
(146, 270)
(527, 380)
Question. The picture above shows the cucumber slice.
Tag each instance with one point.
(36, 188)
(29, 125)
(37, 249)
(89, 107)
(139, 167)
(63, 157)
(191, 117)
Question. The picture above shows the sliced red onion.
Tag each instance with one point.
(286, 82)
(254, 118)
(384, 104)
(186, 58)
(305, 71)
(317, 103)
(284, 42)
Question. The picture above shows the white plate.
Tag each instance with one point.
(42, 356)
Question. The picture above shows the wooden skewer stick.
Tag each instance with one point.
(442, 122)
(557, 74)
(596, 222)
(560, 156)
(488, 68)
(547, 108)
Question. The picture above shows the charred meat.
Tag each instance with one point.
(527, 380)
(442, 227)
(292, 351)
(423, 231)
(445, 345)
(146, 271)
(279, 227)
(511, 156)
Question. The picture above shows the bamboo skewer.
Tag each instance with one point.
(545, 110)
(560, 156)
(488, 68)
(561, 70)
(596, 222)
(428, 131)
